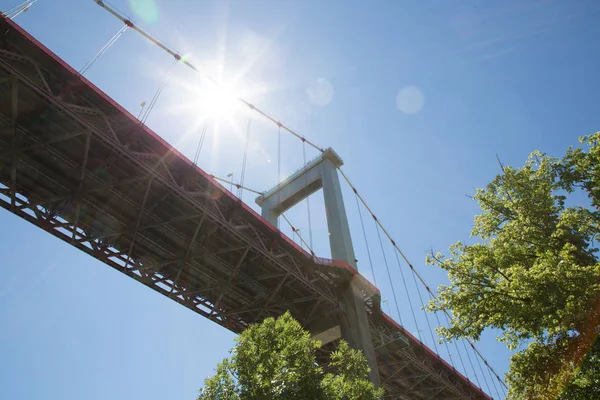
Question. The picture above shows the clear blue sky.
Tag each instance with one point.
(417, 98)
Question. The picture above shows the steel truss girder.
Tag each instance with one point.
(57, 199)
(312, 283)
(393, 347)
(98, 134)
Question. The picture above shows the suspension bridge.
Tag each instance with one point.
(78, 165)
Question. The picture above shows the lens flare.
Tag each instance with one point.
(218, 101)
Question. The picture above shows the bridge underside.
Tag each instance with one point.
(77, 165)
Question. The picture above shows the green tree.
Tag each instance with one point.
(277, 360)
(534, 273)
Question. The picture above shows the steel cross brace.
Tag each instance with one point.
(66, 109)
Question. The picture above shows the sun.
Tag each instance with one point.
(219, 101)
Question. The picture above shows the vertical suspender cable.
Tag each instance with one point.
(410, 304)
(427, 318)
(200, 143)
(15, 11)
(310, 236)
(163, 46)
(16, 8)
(389, 274)
(103, 50)
(278, 165)
(492, 379)
(415, 273)
(260, 112)
(480, 358)
(457, 351)
(471, 362)
(243, 174)
(142, 107)
(460, 358)
(502, 389)
(296, 231)
(158, 92)
(446, 343)
(481, 370)
(362, 224)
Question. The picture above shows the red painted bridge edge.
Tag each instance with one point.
(170, 149)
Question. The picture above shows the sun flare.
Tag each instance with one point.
(219, 101)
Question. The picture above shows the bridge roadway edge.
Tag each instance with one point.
(47, 86)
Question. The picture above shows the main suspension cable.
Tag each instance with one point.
(420, 278)
(112, 10)
(491, 378)
(166, 48)
(129, 24)
(493, 383)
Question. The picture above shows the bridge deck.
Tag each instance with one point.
(76, 164)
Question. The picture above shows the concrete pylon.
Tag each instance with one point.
(322, 173)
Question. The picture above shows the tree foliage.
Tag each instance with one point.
(276, 360)
(534, 273)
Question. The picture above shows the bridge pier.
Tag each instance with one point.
(322, 173)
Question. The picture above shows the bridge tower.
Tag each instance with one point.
(321, 173)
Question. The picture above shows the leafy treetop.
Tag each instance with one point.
(534, 272)
(276, 360)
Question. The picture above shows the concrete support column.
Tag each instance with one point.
(322, 173)
(340, 241)
(271, 216)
